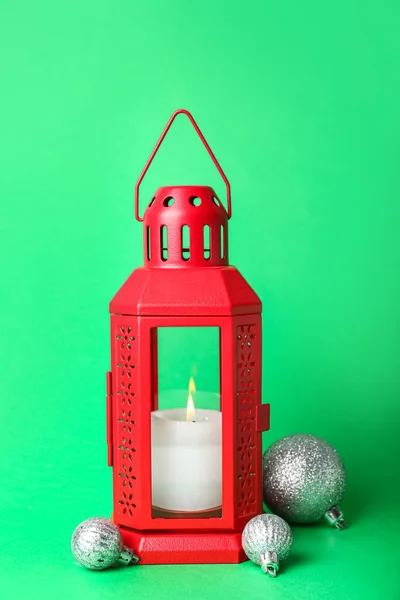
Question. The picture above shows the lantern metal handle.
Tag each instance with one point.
(210, 152)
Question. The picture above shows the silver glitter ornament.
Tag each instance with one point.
(304, 480)
(266, 540)
(97, 544)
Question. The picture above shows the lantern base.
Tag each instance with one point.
(161, 548)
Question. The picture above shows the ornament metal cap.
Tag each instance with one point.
(269, 563)
(127, 557)
(334, 517)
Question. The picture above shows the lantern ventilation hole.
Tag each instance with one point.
(164, 242)
(194, 201)
(127, 503)
(148, 246)
(216, 201)
(168, 201)
(152, 201)
(185, 242)
(206, 244)
(222, 241)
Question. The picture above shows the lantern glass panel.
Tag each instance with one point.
(187, 425)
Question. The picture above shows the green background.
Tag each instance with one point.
(300, 102)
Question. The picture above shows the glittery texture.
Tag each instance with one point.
(266, 533)
(303, 477)
(97, 543)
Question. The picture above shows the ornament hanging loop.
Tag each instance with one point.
(157, 146)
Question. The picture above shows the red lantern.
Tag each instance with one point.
(185, 284)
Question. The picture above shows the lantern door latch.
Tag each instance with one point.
(109, 417)
(263, 417)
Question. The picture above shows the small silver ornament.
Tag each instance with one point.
(97, 544)
(266, 540)
(304, 480)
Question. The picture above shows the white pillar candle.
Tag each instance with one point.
(186, 459)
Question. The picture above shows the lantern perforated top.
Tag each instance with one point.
(185, 226)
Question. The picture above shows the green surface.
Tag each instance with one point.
(300, 101)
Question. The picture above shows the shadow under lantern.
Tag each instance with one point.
(186, 281)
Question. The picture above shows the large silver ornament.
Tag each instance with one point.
(304, 480)
(266, 540)
(97, 544)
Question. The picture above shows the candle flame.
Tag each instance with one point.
(192, 387)
(190, 409)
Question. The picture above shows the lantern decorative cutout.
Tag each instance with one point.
(185, 284)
